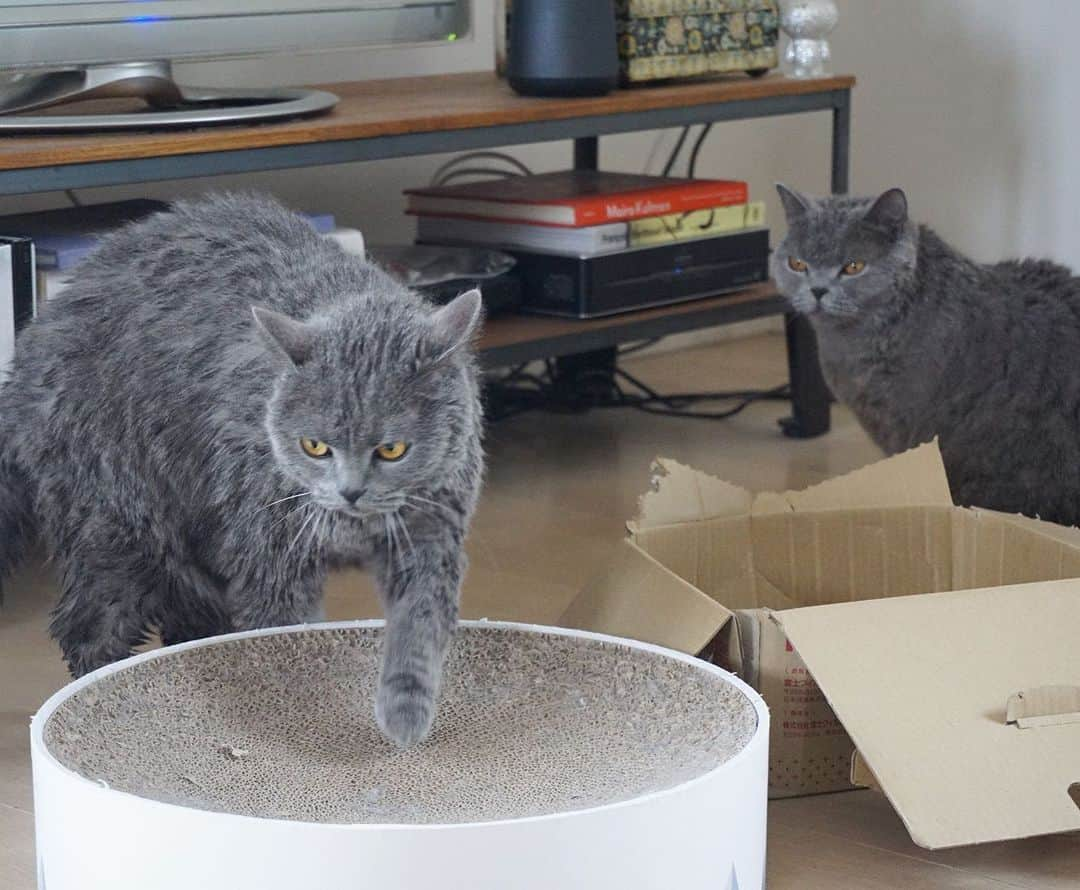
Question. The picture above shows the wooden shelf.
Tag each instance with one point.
(401, 106)
(514, 339)
(463, 112)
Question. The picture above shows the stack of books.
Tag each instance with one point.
(65, 236)
(613, 225)
(40, 254)
(583, 212)
(62, 238)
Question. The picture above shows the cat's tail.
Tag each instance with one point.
(17, 526)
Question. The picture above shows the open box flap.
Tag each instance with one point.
(915, 478)
(922, 685)
(682, 494)
(636, 597)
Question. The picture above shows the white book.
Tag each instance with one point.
(7, 311)
(351, 240)
(50, 283)
(585, 241)
(17, 293)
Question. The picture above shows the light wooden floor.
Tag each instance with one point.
(558, 492)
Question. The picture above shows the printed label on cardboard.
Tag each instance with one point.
(809, 751)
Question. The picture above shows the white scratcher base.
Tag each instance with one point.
(708, 832)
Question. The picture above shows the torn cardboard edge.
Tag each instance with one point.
(680, 494)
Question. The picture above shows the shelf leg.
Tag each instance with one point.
(587, 153)
(810, 397)
(841, 142)
(585, 378)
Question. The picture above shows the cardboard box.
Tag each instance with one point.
(870, 611)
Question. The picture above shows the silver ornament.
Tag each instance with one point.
(807, 23)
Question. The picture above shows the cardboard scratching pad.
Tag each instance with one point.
(555, 753)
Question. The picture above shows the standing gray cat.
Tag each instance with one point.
(920, 341)
(222, 406)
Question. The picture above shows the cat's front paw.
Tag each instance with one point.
(404, 712)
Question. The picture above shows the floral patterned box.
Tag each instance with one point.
(662, 39)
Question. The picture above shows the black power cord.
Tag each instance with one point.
(521, 391)
(691, 167)
(674, 156)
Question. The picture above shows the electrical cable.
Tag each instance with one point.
(463, 172)
(676, 151)
(518, 165)
(691, 167)
(519, 392)
(637, 347)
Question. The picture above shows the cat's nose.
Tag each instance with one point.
(819, 292)
(351, 495)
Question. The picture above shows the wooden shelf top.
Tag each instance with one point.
(397, 107)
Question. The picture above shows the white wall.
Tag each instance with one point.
(967, 104)
(971, 106)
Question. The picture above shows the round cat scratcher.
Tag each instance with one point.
(559, 759)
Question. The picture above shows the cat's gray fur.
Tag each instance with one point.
(150, 436)
(925, 342)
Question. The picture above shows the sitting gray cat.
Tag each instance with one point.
(920, 341)
(222, 406)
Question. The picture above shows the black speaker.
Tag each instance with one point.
(562, 48)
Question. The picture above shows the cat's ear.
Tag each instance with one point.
(795, 205)
(288, 337)
(889, 212)
(456, 323)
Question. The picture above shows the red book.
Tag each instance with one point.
(575, 198)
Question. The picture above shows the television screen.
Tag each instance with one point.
(77, 32)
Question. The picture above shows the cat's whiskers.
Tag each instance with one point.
(473, 535)
(422, 500)
(291, 497)
(399, 549)
(405, 531)
(389, 541)
(292, 512)
(316, 528)
(303, 526)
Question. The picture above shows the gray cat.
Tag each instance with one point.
(920, 341)
(221, 407)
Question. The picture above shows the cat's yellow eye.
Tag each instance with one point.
(314, 448)
(853, 268)
(391, 451)
(796, 265)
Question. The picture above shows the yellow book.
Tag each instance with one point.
(696, 224)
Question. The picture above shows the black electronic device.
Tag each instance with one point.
(563, 48)
(441, 272)
(623, 281)
(501, 293)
